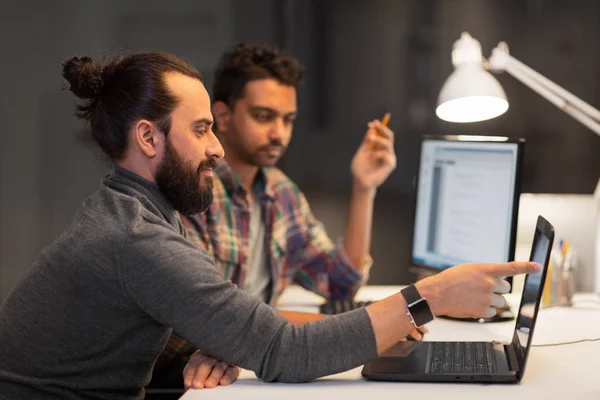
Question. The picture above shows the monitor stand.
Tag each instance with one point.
(502, 314)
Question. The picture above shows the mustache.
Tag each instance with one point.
(272, 143)
(207, 164)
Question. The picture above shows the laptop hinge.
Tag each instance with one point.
(513, 362)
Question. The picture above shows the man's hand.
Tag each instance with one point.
(417, 334)
(375, 158)
(204, 371)
(471, 290)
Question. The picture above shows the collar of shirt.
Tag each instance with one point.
(233, 184)
(146, 191)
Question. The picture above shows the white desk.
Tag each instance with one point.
(571, 372)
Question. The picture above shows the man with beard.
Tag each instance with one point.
(94, 311)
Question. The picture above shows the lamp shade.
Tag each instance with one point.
(471, 94)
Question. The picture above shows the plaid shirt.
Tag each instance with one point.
(297, 246)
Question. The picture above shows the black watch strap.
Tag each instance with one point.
(418, 309)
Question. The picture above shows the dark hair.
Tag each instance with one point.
(122, 91)
(248, 62)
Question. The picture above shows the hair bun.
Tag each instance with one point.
(84, 77)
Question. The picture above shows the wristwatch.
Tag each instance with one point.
(418, 309)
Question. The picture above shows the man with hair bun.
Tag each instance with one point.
(91, 315)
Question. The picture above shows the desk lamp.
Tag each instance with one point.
(472, 94)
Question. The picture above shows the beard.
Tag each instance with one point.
(183, 185)
(260, 157)
(250, 153)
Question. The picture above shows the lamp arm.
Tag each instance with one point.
(568, 96)
(568, 107)
(563, 99)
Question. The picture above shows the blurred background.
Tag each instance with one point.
(362, 58)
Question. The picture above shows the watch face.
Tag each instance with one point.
(421, 313)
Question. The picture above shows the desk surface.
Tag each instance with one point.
(572, 370)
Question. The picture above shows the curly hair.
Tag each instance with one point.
(247, 62)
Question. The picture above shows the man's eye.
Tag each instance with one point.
(263, 117)
(200, 132)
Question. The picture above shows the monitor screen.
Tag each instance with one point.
(467, 199)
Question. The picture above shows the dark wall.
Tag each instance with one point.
(395, 55)
(388, 55)
(363, 58)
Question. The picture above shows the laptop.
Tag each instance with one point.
(482, 362)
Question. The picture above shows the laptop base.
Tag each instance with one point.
(441, 378)
(423, 362)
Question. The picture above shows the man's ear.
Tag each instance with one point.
(222, 115)
(147, 137)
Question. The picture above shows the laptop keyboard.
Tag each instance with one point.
(338, 306)
(463, 358)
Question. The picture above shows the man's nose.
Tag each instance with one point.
(214, 149)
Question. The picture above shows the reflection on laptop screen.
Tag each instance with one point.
(465, 202)
(531, 290)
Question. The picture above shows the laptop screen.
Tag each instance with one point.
(532, 289)
(467, 200)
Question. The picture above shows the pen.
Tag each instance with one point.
(384, 121)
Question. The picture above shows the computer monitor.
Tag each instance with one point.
(467, 200)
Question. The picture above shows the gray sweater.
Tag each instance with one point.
(94, 311)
